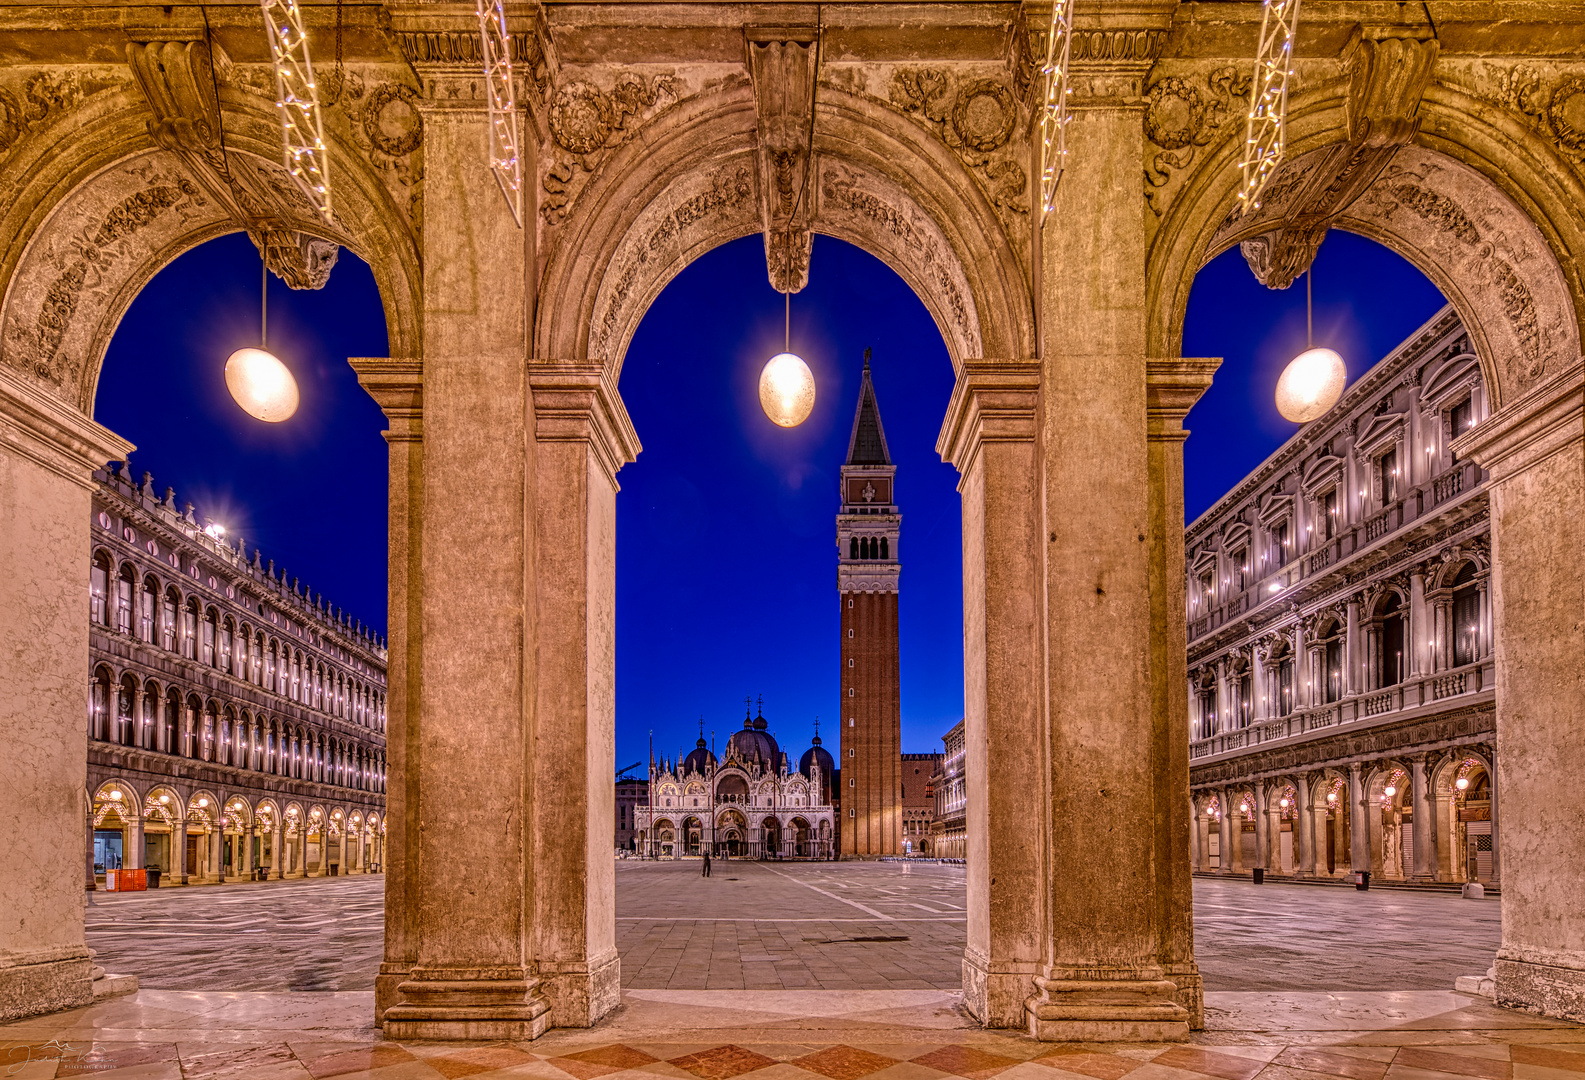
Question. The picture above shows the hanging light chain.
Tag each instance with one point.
(1054, 104)
(1265, 136)
(297, 98)
(501, 96)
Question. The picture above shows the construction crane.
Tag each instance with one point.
(623, 772)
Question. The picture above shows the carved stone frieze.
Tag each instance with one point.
(40, 99)
(782, 68)
(179, 80)
(978, 118)
(1553, 102)
(659, 244)
(79, 258)
(865, 206)
(1183, 114)
(532, 52)
(384, 121)
(1389, 71)
(588, 119)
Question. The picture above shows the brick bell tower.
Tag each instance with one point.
(871, 707)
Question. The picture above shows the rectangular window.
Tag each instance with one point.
(1240, 570)
(1387, 466)
(123, 606)
(1279, 545)
(208, 651)
(1461, 418)
(1206, 594)
(225, 650)
(1334, 670)
(1466, 625)
(1207, 713)
(1329, 514)
(189, 629)
(98, 582)
(1246, 701)
(1285, 687)
(146, 616)
(168, 625)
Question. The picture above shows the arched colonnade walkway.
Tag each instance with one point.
(1450, 143)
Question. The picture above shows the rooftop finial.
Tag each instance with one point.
(866, 358)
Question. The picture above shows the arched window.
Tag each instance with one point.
(192, 727)
(168, 608)
(99, 705)
(190, 629)
(257, 675)
(864, 547)
(126, 583)
(884, 544)
(148, 604)
(853, 547)
(223, 659)
(170, 733)
(149, 717)
(206, 645)
(99, 590)
(1394, 639)
(126, 706)
(1332, 663)
(1466, 617)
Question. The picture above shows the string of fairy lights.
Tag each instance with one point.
(1266, 133)
(297, 100)
(506, 162)
(1054, 102)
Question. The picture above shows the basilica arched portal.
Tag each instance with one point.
(1459, 148)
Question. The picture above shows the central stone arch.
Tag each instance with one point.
(879, 181)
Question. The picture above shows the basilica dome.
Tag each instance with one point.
(754, 744)
(818, 755)
(699, 759)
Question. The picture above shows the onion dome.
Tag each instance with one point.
(699, 759)
(754, 743)
(819, 755)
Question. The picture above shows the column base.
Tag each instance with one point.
(994, 992)
(468, 1005)
(1085, 1010)
(44, 981)
(1191, 991)
(386, 992)
(582, 993)
(1549, 982)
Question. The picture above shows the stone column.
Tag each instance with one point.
(1224, 716)
(341, 849)
(1358, 819)
(1194, 834)
(1224, 857)
(582, 436)
(991, 435)
(245, 863)
(1304, 836)
(1419, 658)
(1263, 858)
(178, 867)
(1424, 803)
(397, 386)
(217, 851)
(1257, 685)
(47, 454)
(301, 858)
(1352, 683)
(1534, 448)
(133, 859)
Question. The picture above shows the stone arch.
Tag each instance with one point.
(89, 228)
(881, 182)
(1478, 203)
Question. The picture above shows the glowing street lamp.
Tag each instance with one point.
(786, 385)
(1313, 381)
(257, 379)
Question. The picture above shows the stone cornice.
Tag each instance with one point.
(397, 386)
(1171, 389)
(993, 401)
(1548, 419)
(574, 401)
(868, 577)
(51, 433)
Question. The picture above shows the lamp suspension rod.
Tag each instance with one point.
(787, 329)
(264, 302)
(1309, 310)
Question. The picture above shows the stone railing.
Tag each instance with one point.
(1372, 707)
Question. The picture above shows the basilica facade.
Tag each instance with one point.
(1341, 667)
(750, 803)
(236, 721)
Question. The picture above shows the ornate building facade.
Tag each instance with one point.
(918, 801)
(1341, 662)
(868, 568)
(948, 825)
(236, 722)
(750, 803)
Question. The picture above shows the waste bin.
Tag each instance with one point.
(1260, 875)
(153, 874)
(1362, 880)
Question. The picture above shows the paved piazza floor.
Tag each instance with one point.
(799, 926)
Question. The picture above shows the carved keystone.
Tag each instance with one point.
(781, 62)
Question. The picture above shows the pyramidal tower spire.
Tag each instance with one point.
(869, 721)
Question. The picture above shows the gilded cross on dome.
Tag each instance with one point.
(869, 492)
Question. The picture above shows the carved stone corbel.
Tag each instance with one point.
(179, 80)
(1389, 70)
(781, 62)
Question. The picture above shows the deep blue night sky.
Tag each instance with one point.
(725, 550)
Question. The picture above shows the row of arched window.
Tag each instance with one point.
(157, 614)
(170, 721)
(868, 547)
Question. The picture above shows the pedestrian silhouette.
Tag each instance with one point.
(707, 864)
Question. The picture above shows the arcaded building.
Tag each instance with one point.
(750, 803)
(868, 568)
(236, 721)
(1341, 670)
(949, 824)
(918, 801)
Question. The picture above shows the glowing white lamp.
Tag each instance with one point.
(1313, 381)
(257, 379)
(786, 385)
(1461, 783)
(1391, 791)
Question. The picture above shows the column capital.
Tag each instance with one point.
(1172, 386)
(54, 434)
(1530, 429)
(992, 401)
(575, 401)
(397, 386)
